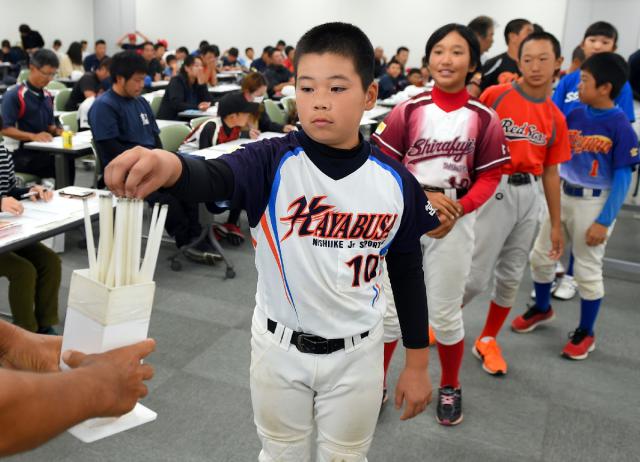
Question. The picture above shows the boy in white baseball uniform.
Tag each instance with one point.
(325, 209)
(604, 150)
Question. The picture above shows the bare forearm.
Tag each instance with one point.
(551, 183)
(36, 407)
(7, 336)
(16, 134)
(417, 358)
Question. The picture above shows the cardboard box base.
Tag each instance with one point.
(95, 429)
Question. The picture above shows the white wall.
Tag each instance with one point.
(388, 23)
(112, 19)
(624, 14)
(67, 20)
(257, 23)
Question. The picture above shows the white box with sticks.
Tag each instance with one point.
(110, 302)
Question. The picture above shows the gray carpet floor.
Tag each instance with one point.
(546, 409)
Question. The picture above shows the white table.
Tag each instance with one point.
(224, 88)
(377, 112)
(160, 84)
(81, 145)
(225, 148)
(41, 220)
(167, 123)
(193, 113)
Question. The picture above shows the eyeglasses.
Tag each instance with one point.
(49, 75)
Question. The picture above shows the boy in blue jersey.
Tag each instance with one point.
(326, 210)
(604, 151)
(600, 37)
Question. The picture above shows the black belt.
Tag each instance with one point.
(578, 191)
(460, 192)
(518, 179)
(308, 343)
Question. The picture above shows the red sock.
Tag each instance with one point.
(389, 348)
(450, 361)
(495, 319)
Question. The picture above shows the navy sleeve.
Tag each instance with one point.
(103, 121)
(418, 217)
(254, 169)
(10, 109)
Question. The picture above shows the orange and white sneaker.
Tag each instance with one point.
(432, 337)
(487, 350)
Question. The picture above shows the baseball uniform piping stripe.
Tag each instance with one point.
(267, 234)
(376, 289)
(395, 175)
(274, 224)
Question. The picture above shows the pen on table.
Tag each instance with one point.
(31, 193)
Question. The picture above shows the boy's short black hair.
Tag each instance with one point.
(100, 42)
(203, 43)
(608, 68)
(210, 49)
(126, 64)
(602, 28)
(145, 44)
(158, 45)
(24, 28)
(267, 50)
(83, 42)
(542, 36)
(401, 49)
(287, 49)
(514, 27)
(57, 42)
(467, 34)
(281, 43)
(341, 39)
(578, 53)
(170, 58)
(233, 51)
(184, 50)
(6, 44)
(414, 70)
(393, 61)
(44, 57)
(247, 49)
(537, 28)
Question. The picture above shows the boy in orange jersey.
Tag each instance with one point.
(536, 133)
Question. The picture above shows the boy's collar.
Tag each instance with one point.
(309, 143)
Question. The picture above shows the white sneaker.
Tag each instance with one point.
(554, 286)
(566, 289)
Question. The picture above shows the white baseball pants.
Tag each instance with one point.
(293, 392)
(446, 263)
(578, 214)
(504, 231)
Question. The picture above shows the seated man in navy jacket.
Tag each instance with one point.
(27, 113)
(121, 119)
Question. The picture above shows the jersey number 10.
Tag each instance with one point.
(370, 268)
